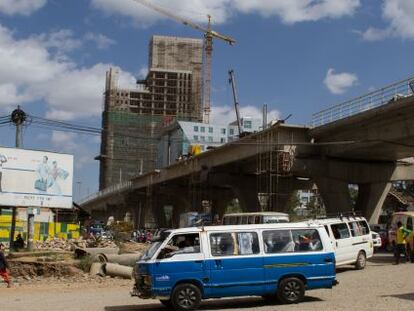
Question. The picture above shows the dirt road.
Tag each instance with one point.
(380, 287)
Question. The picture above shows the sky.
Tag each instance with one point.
(296, 56)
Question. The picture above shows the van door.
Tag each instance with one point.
(185, 262)
(236, 265)
(342, 243)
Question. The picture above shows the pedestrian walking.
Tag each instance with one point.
(401, 247)
(4, 265)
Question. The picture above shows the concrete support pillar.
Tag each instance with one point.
(245, 190)
(371, 198)
(335, 195)
(220, 200)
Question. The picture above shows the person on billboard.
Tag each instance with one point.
(55, 174)
(3, 159)
(42, 171)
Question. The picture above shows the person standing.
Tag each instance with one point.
(4, 265)
(401, 247)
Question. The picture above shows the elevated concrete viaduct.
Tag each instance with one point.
(364, 149)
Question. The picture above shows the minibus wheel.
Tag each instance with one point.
(361, 261)
(186, 297)
(291, 290)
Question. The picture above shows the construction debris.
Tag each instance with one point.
(72, 244)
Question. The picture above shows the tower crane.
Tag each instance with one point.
(209, 35)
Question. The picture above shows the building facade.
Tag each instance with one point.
(133, 118)
(176, 139)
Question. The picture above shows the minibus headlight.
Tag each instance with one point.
(147, 280)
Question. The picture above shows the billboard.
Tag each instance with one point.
(35, 178)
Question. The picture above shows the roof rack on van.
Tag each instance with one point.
(341, 215)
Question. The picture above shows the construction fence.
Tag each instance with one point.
(43, 230)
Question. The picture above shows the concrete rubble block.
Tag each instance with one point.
(114, 270)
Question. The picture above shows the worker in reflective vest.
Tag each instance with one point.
(401, 247)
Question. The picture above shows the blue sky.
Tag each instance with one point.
(298, 56)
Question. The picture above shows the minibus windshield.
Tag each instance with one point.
(155, 245)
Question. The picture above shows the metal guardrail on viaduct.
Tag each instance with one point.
(365, 102)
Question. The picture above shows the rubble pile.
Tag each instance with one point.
(71, 244)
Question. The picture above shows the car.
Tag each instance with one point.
(351, 239)
(376, 240)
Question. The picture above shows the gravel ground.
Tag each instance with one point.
(381, 286)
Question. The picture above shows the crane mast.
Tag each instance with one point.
(209, 35)
(232, 81)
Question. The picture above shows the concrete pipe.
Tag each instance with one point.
(92, 251)
(113, 269)
(97, 269)
(124, 259)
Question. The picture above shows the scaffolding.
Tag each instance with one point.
(274, 162)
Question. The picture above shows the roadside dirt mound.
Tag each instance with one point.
(35, 269)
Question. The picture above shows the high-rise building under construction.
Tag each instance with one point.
(132, 118)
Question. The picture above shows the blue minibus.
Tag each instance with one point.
(279, 261)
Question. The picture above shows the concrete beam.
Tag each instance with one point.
(353, 171)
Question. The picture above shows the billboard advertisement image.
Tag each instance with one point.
(35, 178)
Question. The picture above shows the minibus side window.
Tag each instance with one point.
(233, 244)
(340, 231)
(356, 228)
(185, 243)
(307, 240)
(278, 241)
(364, 226)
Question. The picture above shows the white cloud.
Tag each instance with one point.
(289, 11)
(101, 41)
(142, 72)
(22, 7)
(293, 11)
(78, 92)
(63, 41)
(399, 14)
(375, 34)
(74, 144)
(338, 83)
(226, 114)
(37, 68)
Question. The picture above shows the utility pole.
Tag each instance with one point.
(18, 117)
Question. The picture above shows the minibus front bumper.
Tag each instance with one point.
(143, 289)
